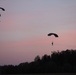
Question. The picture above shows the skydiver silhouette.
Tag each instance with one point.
(52, 43)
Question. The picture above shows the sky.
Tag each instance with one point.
(24, 26)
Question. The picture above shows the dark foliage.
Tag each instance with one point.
(57, 62)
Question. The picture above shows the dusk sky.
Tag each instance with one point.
(24, 26)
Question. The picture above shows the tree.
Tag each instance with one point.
(37, 58)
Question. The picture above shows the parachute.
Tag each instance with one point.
(50, 34)
(53, 34)
(2, 9)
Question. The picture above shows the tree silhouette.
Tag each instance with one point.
(37, 58)
(57, 62)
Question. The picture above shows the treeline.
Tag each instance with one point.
(57, 62)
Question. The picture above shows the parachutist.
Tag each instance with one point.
(52, 43)
(50, 34)
(2, 10)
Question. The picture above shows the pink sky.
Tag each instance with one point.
(25, 24)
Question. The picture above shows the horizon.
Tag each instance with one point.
(24, 26)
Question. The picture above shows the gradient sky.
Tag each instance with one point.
(25, 24)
